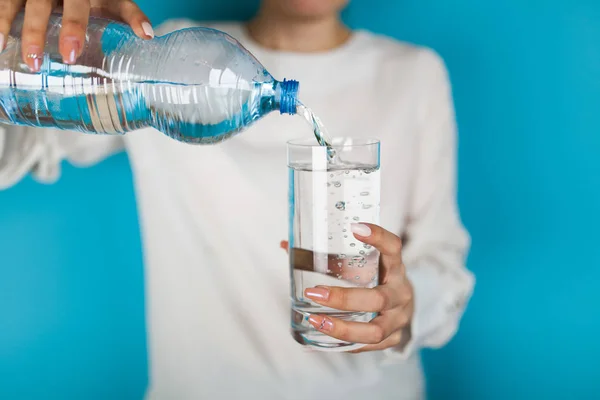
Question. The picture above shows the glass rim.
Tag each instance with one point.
(356, 142)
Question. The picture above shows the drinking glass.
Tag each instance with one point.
(327, 195)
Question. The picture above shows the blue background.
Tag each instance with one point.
(526, 78)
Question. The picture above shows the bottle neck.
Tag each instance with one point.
(286, 96)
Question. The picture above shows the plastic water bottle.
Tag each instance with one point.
(197, 85)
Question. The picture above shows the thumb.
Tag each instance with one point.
(284, 245)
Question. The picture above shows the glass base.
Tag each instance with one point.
(305, 334)
(320, 342)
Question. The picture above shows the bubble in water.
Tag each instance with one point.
(330, 237)
(358, 259)
(361, 252)
(370, 170)
(352, 244)
(367, 246)
(337, 184)
(366, 206)
(344, 230)
(345, 236)
(339, 264)
(347, 172)
(328, 271)
(340, 205)
(341, 256)
(364, 193)
(328, 184)
(357, 277)
(355, 218)
(373, 278)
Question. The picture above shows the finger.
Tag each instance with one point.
(284, 245)
(391, 341)
(386, 242)
(373, 332)
(33, 36)
(8, 11)
(377, 299)
(398, 339)
(74, 25)
(131, 14)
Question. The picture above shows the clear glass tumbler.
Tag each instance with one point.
(325, 198)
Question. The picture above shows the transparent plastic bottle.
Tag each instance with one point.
(196, 85)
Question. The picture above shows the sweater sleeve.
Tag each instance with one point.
(40, 151)
(436, 242)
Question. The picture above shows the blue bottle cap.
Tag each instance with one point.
(289, 97)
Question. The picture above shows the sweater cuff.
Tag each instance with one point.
(440, 300)
(20, 151)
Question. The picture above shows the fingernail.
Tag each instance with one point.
(72, 46)
(147, 28)
(321, 323)
(317, 293)
(34, 58)
(2, 41)
(361, 230)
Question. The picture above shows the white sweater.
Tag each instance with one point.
(212, 217)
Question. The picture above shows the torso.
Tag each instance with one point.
(217, 281)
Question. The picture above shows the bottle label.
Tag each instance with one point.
(103, 111)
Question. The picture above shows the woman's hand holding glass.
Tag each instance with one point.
(392, 299)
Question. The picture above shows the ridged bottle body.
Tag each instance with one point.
(196, 85)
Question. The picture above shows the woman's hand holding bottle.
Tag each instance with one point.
(75, 19)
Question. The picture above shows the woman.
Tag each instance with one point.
(217, 285)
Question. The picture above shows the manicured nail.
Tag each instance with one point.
(321, 323)
(147, 28)
(2, 41)
(34, 58)
(317, 293)
(361, 230)
(71, 46)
